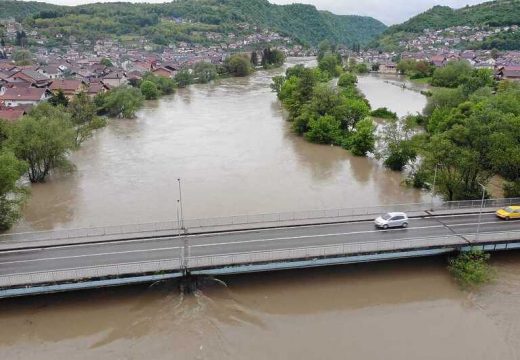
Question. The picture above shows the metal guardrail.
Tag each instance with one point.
(259, 220)
(225, 260)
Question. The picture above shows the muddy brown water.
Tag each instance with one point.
(396, 310)
(235, 154)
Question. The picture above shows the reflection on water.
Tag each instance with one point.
(234, 151)
(395, 310)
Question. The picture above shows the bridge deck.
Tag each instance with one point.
(247, 250)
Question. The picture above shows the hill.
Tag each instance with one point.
(301, 22)
(492, 14)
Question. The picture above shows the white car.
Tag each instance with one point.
(393, 219)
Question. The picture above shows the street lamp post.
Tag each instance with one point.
(180, 202)
(480, 212)
(433, 187)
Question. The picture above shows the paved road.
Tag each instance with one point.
(76, 256)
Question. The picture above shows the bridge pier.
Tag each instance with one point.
(188, 283)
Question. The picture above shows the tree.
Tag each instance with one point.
(324, 130)
(238, 65)
(165, 85)
(362, 140)
(59, 99)
(43, 139)
(149, 90)
(84, 119)
(272, 57)
(254, 58)
(451, 75)
(21, 38)
(277, 84)
(106, 62)
(204, 72)
(347, 79)
(22, 58)
(398, 149)
(123, 101)
(330, 64)
(183, 78)
(471, 268)
(11, 195)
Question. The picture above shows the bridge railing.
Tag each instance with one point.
(253, 257)
(92, 272)
(171, 228)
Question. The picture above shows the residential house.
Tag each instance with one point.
(69, 87)
(388, 68)
(18, 96)
(162, 71)
(95, 88)
(439, 60)
(509, 73)
(51, 71)
(12, 114)
(116, 78)
(29, 76)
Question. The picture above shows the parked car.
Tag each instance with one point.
(510, 212)
(391, 220)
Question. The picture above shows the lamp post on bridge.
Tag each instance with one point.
(180, 202)
(480, 212)
(433, 187)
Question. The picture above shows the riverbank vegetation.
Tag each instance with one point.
(471, 269)
(470, 131)
(323, 113)
(39, 143)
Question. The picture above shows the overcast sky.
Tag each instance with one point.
(388, 11)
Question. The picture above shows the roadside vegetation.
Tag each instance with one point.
(471, 269)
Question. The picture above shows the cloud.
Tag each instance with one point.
(389, 12)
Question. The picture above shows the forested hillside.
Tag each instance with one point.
(498, 13)
(301, 22)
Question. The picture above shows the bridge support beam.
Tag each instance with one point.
(188, 283)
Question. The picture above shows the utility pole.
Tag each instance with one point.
(480, 212)
(180, 202)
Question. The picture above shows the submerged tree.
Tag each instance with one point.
(43, 139)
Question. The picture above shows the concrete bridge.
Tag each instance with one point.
(43, 262)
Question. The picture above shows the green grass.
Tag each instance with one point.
(425, 80)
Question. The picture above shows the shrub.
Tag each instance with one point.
(471, 269)
(383, 113)
(149, 90)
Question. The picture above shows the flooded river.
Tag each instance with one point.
(391, 311)
(235, 154)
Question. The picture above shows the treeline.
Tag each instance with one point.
(470, 131)
(491, 13)
(323, 113)
(40, 142)
(93, 21)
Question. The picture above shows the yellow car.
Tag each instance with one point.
(510, 212)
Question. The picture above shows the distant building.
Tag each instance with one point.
(69, 87)
(13, 97)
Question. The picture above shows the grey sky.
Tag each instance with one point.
(388, 11)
